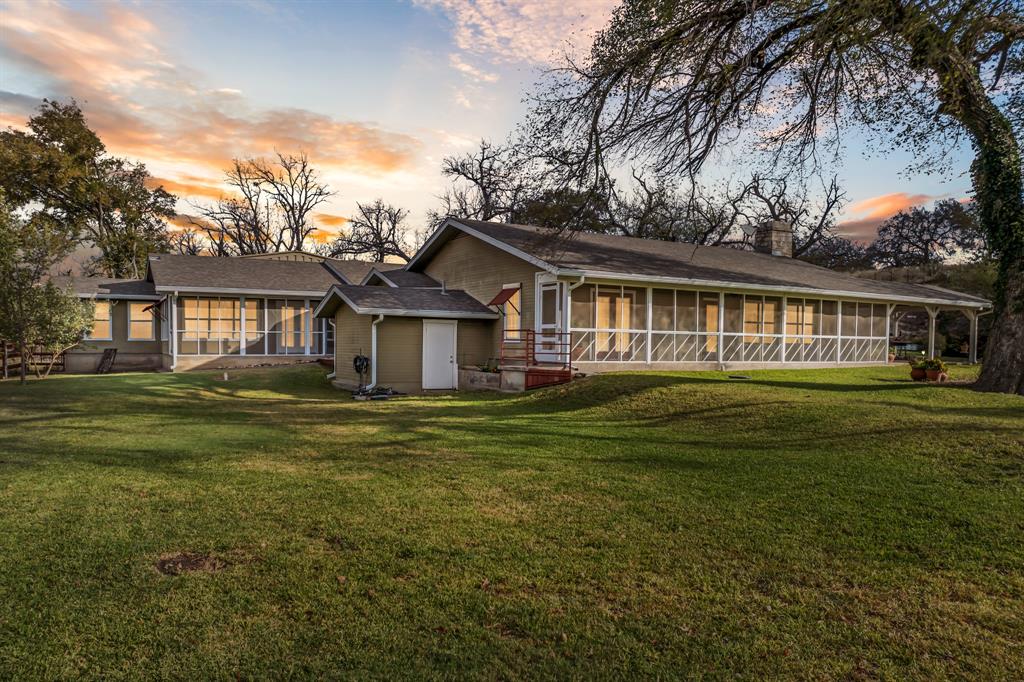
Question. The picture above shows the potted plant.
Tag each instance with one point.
(935, 369)
(917, 370)
(892, 354)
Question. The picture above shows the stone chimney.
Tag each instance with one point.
(774, 237)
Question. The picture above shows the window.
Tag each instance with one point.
(210, 326)
(287, 324)
(101, 327)
(513, 313)
(141, 323)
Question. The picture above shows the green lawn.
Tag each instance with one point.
(811, 524)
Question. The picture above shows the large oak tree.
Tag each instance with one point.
(673, 81)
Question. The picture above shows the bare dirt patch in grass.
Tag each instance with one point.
(188, 562)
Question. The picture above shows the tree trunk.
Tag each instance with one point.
(998, 193)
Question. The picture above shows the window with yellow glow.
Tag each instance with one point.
(141, 323)
(101, 328)
(513, 313)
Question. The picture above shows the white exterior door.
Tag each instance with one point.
(549, 323)
(439, 369)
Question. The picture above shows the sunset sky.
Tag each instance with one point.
(377, 93)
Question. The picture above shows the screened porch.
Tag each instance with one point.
(618, 323)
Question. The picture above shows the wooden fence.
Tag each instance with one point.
(36, 360)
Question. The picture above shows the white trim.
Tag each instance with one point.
(269, 293)
(241, 331)
(762, 288)
(455, 354)
(498, 244)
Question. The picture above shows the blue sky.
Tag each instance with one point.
(376, 92)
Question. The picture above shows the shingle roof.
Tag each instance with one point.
(354, 271)
(407, 301)
(107, 287)
(192, 273)
(404, 278)
(658, 259)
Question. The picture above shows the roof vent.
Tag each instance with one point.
(774, 237)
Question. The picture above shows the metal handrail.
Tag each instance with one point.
(524, 348)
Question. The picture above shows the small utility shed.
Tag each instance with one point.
(415, 338)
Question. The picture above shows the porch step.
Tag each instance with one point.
(536, 377)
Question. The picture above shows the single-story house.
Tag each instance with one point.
(539, 306)
(203, 312)
(535, 305)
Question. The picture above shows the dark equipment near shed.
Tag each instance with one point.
(361, 364)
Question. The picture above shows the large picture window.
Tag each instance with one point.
(102, 329)
(141, 321)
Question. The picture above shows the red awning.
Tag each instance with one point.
(503, 296)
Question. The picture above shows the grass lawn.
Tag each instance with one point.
(811, 524)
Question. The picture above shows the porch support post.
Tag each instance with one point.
(241, 332)
(174, 330)
(839, 332)
(972, 346)
(721, 326)
(306, 323)
(650, 322)
(933, 312)
(889, 307)
(785, 316)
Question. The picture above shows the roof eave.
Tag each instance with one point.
(428, 247)
(171, 289)
(838, 293)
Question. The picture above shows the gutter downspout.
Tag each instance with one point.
(174, 330)
(373, 352)
(333, 374)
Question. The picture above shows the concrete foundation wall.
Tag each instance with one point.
(86, 362)
(186, 362)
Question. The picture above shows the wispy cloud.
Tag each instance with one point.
(148, 108)
(470, 71)
(533, 31)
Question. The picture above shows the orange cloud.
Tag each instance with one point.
(871, 213)
(147, 108)
(186, 189)
(331, 220)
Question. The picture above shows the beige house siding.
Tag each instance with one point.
(351, 338)
(480, 269)
(400, 348)
(474, 345)
(400, 353)
(131, 355)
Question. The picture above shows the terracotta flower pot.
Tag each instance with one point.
(892, 358)
(935, 375)
(918, 374)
